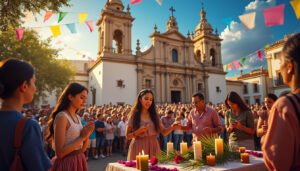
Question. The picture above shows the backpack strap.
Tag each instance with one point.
(295, 106)
(19, 132)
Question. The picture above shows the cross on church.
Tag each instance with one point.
(172, 10)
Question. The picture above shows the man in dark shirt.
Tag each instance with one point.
(167, 121)
(100, 128)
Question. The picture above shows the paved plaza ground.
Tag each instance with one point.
(100, 164)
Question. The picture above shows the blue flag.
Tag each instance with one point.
(72, 28)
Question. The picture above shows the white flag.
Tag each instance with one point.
(159, 2)
(248, 20)
(28, 16)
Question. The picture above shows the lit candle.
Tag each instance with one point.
(210, 160)
(138, 158)
(219, 146)
(183, 147)
(245, 158)
(170, 147)
(242, 149)
(144, 162)
(197, 150)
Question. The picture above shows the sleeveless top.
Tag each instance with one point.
(73, 132)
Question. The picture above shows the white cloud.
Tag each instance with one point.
(239, 42)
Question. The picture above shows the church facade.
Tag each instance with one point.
(174, 67)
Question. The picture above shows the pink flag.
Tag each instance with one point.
(19, 33)
(236, 64)
(260, 54)
(90, 25)
(135, 1)
(230, 67)
(274, 16)
(48, 15)
(58, 42)
(83, 56)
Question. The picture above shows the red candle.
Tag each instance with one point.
(211, 160)
(245, 158)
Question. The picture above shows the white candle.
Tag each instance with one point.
(219, 146)
(170, 147)
(183, 147)
(197, 150)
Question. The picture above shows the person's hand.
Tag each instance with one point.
(238, 124)
(142, 129)
(87, 130)
(176, 125)
(207, 130)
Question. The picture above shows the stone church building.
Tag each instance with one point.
(174, 67)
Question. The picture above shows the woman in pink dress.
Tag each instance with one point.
(143, 126)
(281, 145)
(69, 137)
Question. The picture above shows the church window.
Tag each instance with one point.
(245, 90)
(174, 55)
(120, 83)
(200, 87)
(198, 54)
(213, 57)
(118, 41)
(255, 87)
(148, 83)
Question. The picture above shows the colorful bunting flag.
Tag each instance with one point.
(274, 16)
(90, 25)
(224, 67)
(82, 17)
(78, 53)
(248, 20)
(28, 16)
(159, 2)
(260, 54)
(20, 33)
(230, 67)
(267, 46)
(135, 1)
(58, 42)
(48, 15)
(62, 16)
(227, 21)
(83, 56)
(92, 61)
(243, 60)
(55, 30)
(72, 28)
(296, 6)
(236, 64)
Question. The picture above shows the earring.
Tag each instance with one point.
(289, 71)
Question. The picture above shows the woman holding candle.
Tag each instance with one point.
(143, 125)
(239, 122)
(281, 145)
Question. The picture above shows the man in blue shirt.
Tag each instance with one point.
(100, 128)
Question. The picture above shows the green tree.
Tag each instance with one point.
(52, 75)
(11, 11)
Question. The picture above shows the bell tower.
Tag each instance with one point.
(115, 30)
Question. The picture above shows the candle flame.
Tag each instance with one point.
(209, 154)
(143, 152)
(139, 153)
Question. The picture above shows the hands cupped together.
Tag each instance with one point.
(87, 130)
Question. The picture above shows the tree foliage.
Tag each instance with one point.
(52, 75)
(11, 11)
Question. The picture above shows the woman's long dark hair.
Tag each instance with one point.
(236, 99)
(63, 103)
(137, 109)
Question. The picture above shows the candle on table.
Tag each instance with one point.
(138, 158)
(245, 158)
(197, 150)
(144, 162)
(242, 149)
(170, 147)
(219, 146)
(183, 147)
(210, 160)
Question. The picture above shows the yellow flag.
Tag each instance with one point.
(78, 53)
(296, 5)
(55, 30)
(82, 17)
(224, 67)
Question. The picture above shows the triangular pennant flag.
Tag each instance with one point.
(82, 17)
(90, 25)
(296, 6)
(55, 30)
(37, 29)
(20, 33)
(230, 67)
(28, 16)
(274, 16)
(224, 67)
(159, 2)
(260, 54)
(267, 46)
(72, 28)
(83, 56)
(62, 16)
(248, 20)
(243, 60)
(48, 15)
(227, 21)
(89, 58)
(135, 1)
(236, 64)
(78, 53)
(92, 61)
(58, 42)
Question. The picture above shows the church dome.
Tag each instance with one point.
(117, 4)
(203, 25)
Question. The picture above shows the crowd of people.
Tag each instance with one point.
(71, 132)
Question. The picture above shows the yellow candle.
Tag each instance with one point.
(144, 162)
(210, 160)
(183, 147)
(138, 157)
(242, 149)
(245, 158)
(170, 147)
(219, 146)
(197, 150)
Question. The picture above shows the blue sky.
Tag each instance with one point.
(238, 41)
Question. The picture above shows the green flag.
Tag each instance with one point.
(243, 60)
(62, 15)
(267, 46)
